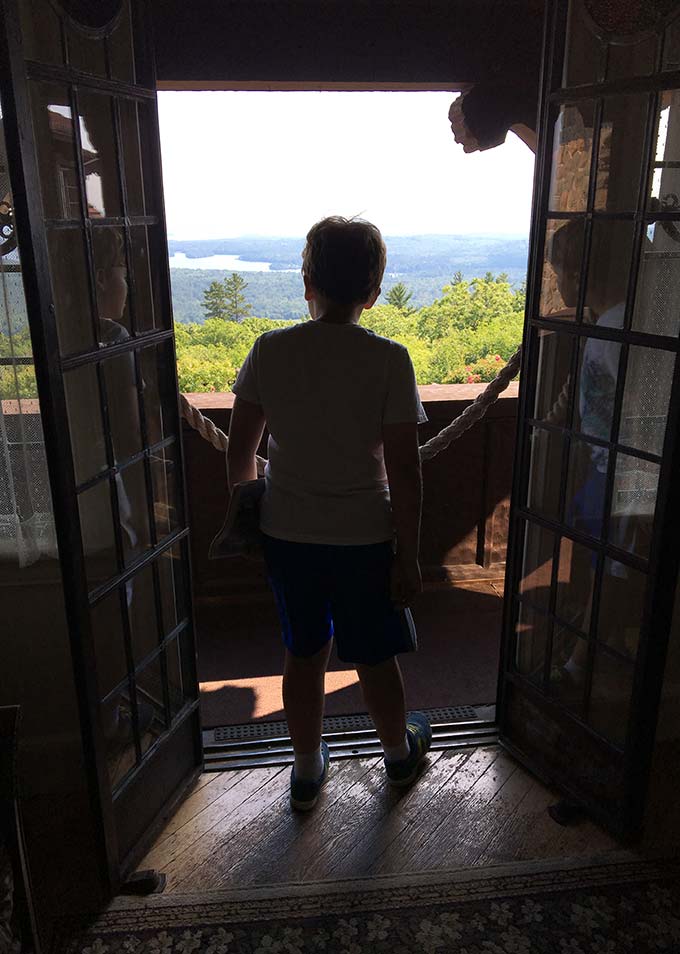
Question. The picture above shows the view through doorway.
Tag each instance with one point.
(245, 175)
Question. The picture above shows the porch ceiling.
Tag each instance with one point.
(345, 44)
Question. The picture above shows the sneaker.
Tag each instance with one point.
(419, 733)
(303, 793)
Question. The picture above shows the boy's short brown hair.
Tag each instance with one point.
(344, 259)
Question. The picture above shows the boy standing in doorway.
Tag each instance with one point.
(340, 515)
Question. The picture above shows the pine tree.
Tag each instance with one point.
(237, 305)
(225, 300)
(400, 296)
(214, 302)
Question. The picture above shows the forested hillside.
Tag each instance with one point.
(464, 336)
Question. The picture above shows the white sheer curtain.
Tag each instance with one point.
(26, 521)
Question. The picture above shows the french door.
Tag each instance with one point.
(593, 550)
(82, 135)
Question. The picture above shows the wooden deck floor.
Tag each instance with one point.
(470, 807)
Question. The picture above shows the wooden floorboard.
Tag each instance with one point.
(411, 807)
(469, 807)
(280, 833)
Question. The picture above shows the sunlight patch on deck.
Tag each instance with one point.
(266, 690)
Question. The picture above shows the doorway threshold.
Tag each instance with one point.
(353, 736)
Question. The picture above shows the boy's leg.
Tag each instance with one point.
(405, 741)
(383, 690)
(303, 698)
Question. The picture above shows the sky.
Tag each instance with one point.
(273, 163)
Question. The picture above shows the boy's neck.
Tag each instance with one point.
(331, 314)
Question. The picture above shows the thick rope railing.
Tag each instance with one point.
(470, 416)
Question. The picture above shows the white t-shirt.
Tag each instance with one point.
(326, 390)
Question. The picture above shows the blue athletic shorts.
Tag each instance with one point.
(324, 591)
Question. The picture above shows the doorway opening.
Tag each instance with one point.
(453, 293)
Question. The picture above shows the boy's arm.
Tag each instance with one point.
(402, 463)
(245, 433)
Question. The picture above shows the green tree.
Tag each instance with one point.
(225, 300)
(388, 321)
(237, 304)
(399, 296)
(214, 302)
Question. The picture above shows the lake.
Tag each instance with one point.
(230, 263)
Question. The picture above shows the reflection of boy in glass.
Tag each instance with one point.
(604, 305)
(121, 390)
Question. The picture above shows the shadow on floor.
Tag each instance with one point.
(240, 657)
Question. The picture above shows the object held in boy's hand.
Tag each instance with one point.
(240, 534)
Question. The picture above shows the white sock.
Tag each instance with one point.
(310, 766)
(397, 753)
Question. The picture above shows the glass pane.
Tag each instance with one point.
(532, 643)
(633, 504)
(631, 59)
(598, 370)
(121, 393)
(85, 53)
(111, 281)
(649, 376)
(165, 491)
(121, 62)
(172, 584)
(160, 391)
(150, 704)
(575, 576)
(121, 756)
(562, 268)
(99, 154)
(553, 369)
(585, 53)
(174, 670)
(144, 306)
(657, 297)
(586, 483)
(665, 173)
(96, 524)
(188, 660)
(619, 164)
(620, 615)
(129, 124)
(70, 290)
(142, 614)
(85, 422)
(571, 159)
(109, 646)
(610, 696)
(568, 667)
(55, 144)
(537, 560)
(132, 507)
(671, 46)
(609, 269)
(545, 471)
(40, 32)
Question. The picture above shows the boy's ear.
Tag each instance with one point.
(372, 300)
(310, 291)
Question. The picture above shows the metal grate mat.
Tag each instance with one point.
(331, 725)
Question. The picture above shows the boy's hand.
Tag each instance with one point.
(406, 581)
